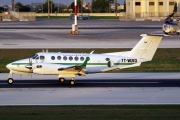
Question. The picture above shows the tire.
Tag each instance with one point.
(10, 81)
(72, 82)
(177, 33)
(165, 33)
(61, 80)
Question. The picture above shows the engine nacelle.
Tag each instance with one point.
(46, 69)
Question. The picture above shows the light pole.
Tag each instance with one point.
(42, 8)
(116, 7)
(58, 7)
(81, 6)
(74, 26)
(51, 6)
(75, 12)
(48, 9)
(12, 5)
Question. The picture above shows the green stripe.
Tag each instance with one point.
(79, 63)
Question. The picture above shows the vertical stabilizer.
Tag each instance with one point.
(146, 47)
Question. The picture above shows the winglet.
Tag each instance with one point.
(85, 63)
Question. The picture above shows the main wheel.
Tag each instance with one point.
(165, 33)
(177, 33)
(10, 81)
(72, 82)
(61, 80)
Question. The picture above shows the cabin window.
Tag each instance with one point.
(70, 58)
(76, 58)
(52, 58)
(59, 57)
(64, 58)
(88, 58)
(42, 57)
(82, 58)
(107, 59)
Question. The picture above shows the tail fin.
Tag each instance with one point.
(146, 47)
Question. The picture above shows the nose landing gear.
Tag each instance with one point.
(10, 79)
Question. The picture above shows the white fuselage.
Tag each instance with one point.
(50, 62)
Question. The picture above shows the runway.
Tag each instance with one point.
(110, 88)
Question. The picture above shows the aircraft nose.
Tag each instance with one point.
(9, 66)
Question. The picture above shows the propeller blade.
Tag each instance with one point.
(29, 66)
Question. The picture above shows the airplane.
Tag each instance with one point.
(171, 27)
(68, 65)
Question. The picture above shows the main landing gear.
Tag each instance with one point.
(71, 82)
(61, 80)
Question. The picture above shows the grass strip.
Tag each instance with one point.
(91, 112)
(165, 59)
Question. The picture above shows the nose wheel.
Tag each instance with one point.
(10, 81)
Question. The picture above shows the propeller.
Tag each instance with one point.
(29, 66)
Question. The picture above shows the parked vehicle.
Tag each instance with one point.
(82, 17)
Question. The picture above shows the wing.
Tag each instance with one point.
(77, 69)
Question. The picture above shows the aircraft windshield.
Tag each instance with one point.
(34, 56)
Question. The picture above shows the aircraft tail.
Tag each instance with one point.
(146, 47)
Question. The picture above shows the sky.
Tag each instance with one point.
(65, 2)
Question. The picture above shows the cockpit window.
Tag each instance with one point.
(42, 57)
(34, 56)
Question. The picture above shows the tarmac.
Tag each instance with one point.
(93, 89)
(55, 33)
(108, 88)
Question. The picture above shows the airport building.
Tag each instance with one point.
(150, 8)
